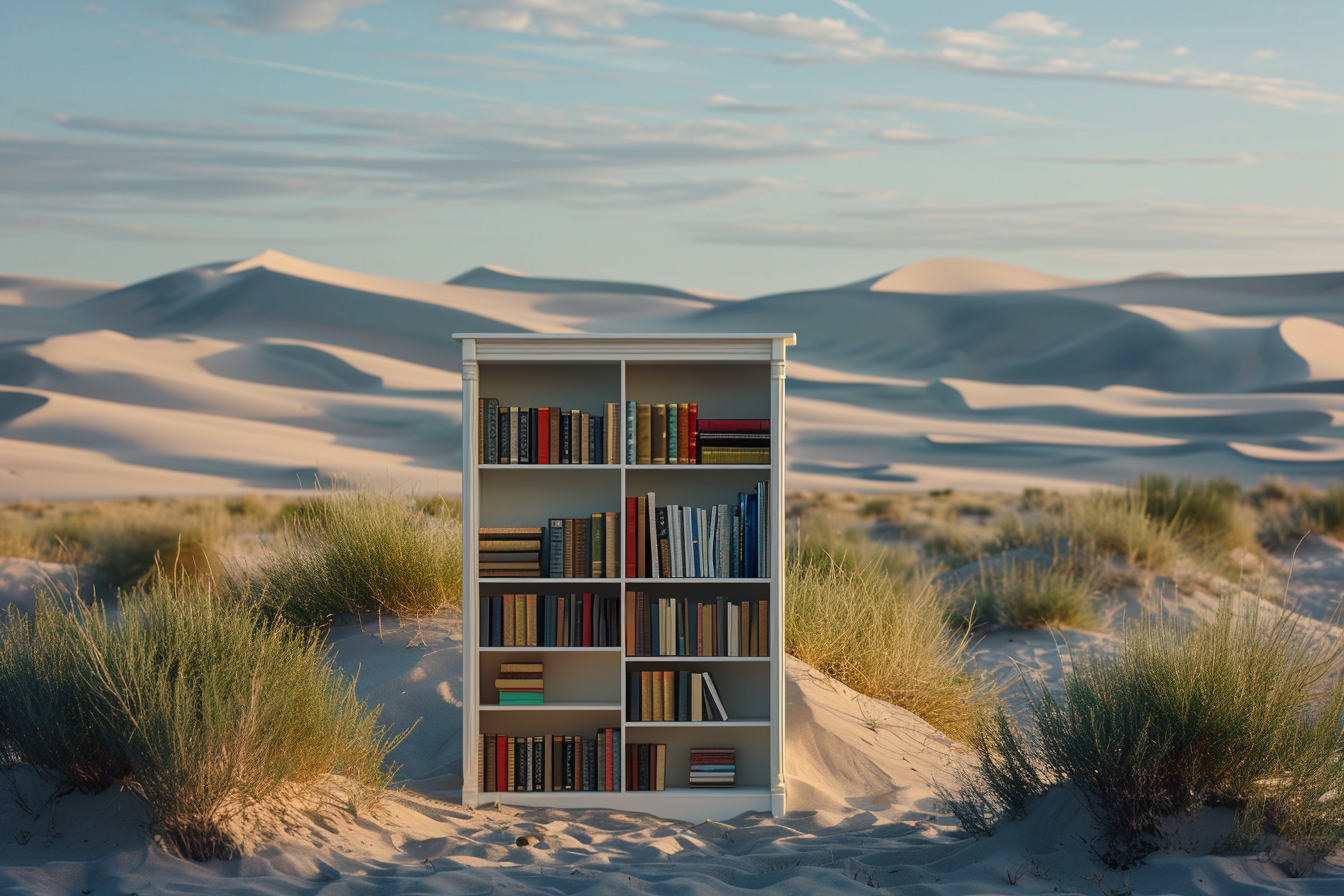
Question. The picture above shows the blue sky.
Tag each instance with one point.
(741, 147)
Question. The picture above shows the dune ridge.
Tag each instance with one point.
(938, 371)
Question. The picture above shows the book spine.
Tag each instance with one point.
(631, 548)
(502, 425)
(610, 563)
(684, 433)
(524, 435)
(543, 435)
(643, 434)
(597, 555)
(553, 416)
(664, 543)
(658, 434)
(692, 423)
(585, 438)
(641, 535)
(513, 435)
(673, 433)
(630, 427)
(565, 439)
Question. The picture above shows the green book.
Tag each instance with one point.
(511, 699)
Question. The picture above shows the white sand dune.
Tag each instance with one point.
(939, 374)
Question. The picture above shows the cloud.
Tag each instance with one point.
(908, 136)
(789, 26)
(979, 40)
(558, 18)
(1265, 54)
(1095, 225)
(732, 104)
(300, 16)
(1237, 158)
(1121, 43)
(1033, 24)
(1179, 51)
(856, 9)
(932, 105)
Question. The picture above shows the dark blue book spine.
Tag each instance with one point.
(524, 435)
(496, 622)
(483, 621)
(617, 759)
(556, 552)
(565, 439)
(536, 435)
(752, 570)
(632, 697)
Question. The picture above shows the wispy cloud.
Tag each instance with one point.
(301, 16)
(1238, 158)
(1034, 24)
(977, 40)
(732, 104)
(935, 105)
(348, 76)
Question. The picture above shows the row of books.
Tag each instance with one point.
(713, 767)
(648, 766)
(729, 541)
(520, 684)
(517, 435)
(549, 762)
(672, 541)
(672, 695)
(690, 626)
(653, 434)
(550, 620)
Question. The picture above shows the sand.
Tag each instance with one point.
(949, 373)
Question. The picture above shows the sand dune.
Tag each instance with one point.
(935, 375)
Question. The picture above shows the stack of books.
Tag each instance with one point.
(713, 767)
(549, 762)
(648, 766)
(733, 442)
(671, 695)
(517, 435)
(549, 620)
(688, 626)
(510, 551)
(661, 433)
(520, 684)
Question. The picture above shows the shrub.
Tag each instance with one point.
(1097, 523)
(1207, 513)
(1183, 715)
(883, 638)
(357, 550)
(823, 540)
(202, 712)
(1024, 594)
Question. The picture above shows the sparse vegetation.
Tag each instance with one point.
(200, 710)
(884, 638)
(352, 550)
(1026, 594)
(1237, 711)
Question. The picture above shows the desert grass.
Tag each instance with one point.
(132, 540)
(1020, 593)
(1243, 710)
(883, 637)
(350, 550)
(1097, 524)
(204, 713)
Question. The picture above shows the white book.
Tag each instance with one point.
(687, 549)
(719, 712)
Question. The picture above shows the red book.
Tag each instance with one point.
(631, 549)
(587, 620)
(692, 421)
(543, 435)
(501, 763)
(733, 426)
(610, 782)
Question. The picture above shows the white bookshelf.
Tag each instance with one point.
(730, 376)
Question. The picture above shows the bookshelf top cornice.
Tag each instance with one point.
(627, 346)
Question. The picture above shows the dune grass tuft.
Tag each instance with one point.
(198, 709)
(1025, 594)
(1095, 524)
(1237, 711)
(353, 550)
(885, 638)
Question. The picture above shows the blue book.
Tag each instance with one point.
(630, 432)
(751, 571)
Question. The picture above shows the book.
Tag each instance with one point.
(712, 699)
(610, 528)
(566, 440)
(553, 416)
(692, 422)
(672, 411)
(658, 434)
(643, 434)
(683, 433)
(543, 435)
(585, 438)
(640, 524)
(705, 426)
(597, 553)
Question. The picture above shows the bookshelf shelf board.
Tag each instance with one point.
(550, 466)
(676, 579)
(731, 723)
(696, 659)
(555, 707)
(492, 580)
(641, 467)
(549, 649)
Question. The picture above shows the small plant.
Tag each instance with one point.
(1027, 594)
(356, 550)
(198, 709)
(1180, 716)
(883, 638)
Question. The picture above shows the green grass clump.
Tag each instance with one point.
(884, 638)
(201, 711)
(356, 550)
(1098, 523)
(823, 540)
(1024, 594)
(1207, 513)
(1237, 711)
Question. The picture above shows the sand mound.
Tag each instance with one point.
(944, 276)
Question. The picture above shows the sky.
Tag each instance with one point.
(737, 147)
